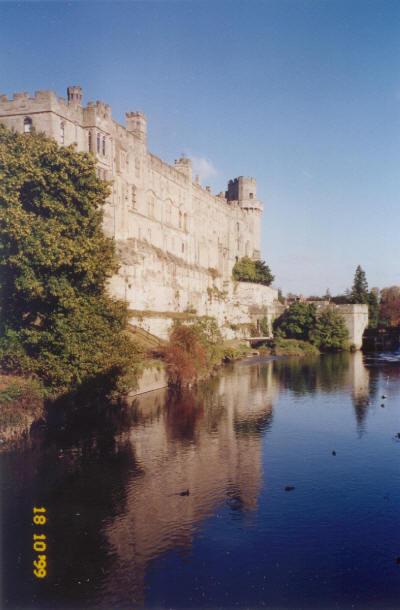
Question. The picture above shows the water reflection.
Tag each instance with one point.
(206, 442)
(126, 490)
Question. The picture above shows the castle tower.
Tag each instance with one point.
(184, 166)
(136, 123)
(243, 192)
(75, 95)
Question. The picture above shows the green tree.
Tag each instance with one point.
(296, 322)
(56, 319)
(247, 270)
(329, 332)
(373, 309)
(359, 291)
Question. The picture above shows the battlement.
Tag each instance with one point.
(39, 96)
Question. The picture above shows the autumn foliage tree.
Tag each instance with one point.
(57, 320)
(390, 305)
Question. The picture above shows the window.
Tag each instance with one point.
(133, 199)
(98, 142)
(90, 141)
(27, 124)
(183, 247)
(251, 195)
(104, 145)
(62, 132)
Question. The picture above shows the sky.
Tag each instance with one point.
(303, 95)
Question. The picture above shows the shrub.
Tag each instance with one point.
(247, 270)
(296, 321)
(330, 332)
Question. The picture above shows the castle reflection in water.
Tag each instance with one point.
(202, 451)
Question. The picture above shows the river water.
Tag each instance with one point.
(276, 485)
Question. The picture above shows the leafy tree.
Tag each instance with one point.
(359, 291)
(296, 322)
(247, 270)
(373, 309)
(56, 319)
(329, 332)
(390, 305)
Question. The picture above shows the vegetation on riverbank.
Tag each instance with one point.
(326, 330)
(195, 349)
(21, 403)
(288, 347)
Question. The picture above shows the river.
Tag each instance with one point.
(276, 485)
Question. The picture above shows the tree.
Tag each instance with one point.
(390, 305)
(359, 291)
(373, 309)
(57, 320)
(247, 270)
(329, 332)
(296, 322)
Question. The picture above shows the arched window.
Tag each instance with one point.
(90, 141)
(62, 132)
(104, 145)
(98, 142)
(27, 124)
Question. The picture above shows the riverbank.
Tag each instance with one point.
(24, 401)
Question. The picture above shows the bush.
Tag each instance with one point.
(247, 270)
(330, 332)
(296, 321)
(193, 350)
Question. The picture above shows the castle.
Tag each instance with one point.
(177, 242)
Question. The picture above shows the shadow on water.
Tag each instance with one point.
(78, 469)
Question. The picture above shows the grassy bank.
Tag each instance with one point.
(288, 347)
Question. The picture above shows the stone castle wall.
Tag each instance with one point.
(177, 241)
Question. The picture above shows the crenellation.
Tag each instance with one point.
(21, 96)
(45, 95)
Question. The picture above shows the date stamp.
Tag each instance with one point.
(39, 543)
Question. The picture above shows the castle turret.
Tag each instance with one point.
(136, 123)
(244, 191)
(184, 166)
(75, 95)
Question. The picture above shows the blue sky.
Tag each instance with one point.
(304, 95)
